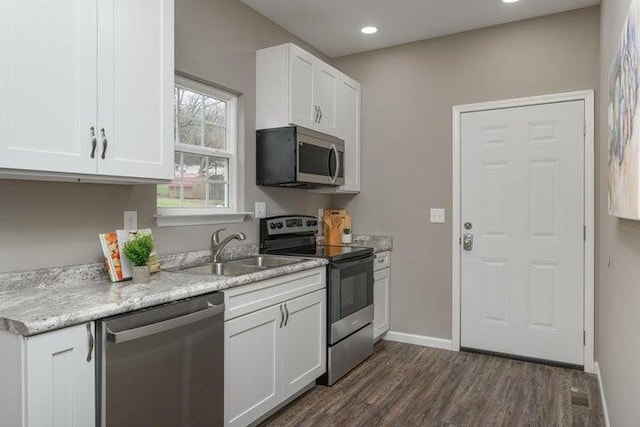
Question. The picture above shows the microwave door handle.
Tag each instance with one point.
(337, 172)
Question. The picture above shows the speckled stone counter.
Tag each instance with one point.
(38, 301)
(378, 243)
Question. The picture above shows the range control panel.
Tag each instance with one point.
(290, 224)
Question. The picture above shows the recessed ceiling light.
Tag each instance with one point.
(509, 1)
(369, 30)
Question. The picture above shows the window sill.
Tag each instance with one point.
(176, 220)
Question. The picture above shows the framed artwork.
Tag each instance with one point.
(624, 121)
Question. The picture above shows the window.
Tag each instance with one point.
(205, 178)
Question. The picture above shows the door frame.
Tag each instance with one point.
(589, 207)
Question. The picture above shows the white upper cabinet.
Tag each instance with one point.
(325, 87)
(135, 88)
(296, 88)
(48, 54)
(89, 89)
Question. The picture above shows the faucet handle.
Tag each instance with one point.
(215, 237)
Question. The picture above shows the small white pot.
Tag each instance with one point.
(141, 274)
(347, 238)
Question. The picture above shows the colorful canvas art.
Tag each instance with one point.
(624, 121)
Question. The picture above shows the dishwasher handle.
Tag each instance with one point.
(163, 326)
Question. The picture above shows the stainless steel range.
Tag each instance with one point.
(349, 288)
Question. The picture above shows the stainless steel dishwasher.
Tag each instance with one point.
(162, 366)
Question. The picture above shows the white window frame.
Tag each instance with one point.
(196, 216)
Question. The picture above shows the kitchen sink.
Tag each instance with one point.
(238, 267)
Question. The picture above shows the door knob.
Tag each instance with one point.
(467, 241)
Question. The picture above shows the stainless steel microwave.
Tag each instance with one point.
(294, 156)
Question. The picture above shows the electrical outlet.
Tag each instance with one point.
(130, 220)
(437, 216)
(261, 210)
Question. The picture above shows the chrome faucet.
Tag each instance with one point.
(217, 245)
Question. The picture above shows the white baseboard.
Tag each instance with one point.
(418, 340)
(605, 412)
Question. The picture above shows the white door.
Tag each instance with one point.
(48, 85)
(522, 195)
(253, 361)
(326, 83)
(349, 115)
(135, 97)
(381, 285)
(305, 343)
(60, 374)
(303, 110)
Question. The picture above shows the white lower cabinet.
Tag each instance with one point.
(381, 288)
(274, 352)
(52, 378)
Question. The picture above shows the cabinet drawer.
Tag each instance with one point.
(245, 299)
(383, 260)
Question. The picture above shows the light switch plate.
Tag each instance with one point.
(130, 220)
(261, 210)
(437, 216)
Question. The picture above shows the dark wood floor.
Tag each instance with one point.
(406, 385)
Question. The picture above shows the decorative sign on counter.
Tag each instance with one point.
(117, 264)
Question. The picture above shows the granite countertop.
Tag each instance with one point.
(378, 243)
(38, 301)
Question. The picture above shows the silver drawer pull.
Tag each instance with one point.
(91, 342)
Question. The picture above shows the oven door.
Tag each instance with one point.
(350, 305)
(320, 161)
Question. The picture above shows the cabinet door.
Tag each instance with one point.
(305, 343)
(349, 115)
(253, 363)
(60, 378)
(47, 85)
(135, 88)
(381, 287)
(326, 83)
(302, 105)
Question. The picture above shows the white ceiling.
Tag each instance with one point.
(333, 26)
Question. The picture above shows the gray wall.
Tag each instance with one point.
(407, 95)
(618, 340)
(49, 224)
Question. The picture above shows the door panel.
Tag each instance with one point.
(326, 81)
(349, 129)
(302, 82)
(60, 381)
(252, 365)
(522, 181)
(381, 288)
(305, 354)
(48, 85)
(135, 70)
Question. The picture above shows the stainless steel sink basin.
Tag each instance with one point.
(266, 261)
(238, 267)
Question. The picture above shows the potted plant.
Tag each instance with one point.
(346, 236)
(137, 250)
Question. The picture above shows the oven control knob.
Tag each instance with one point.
(272, 226)
(309, 223)
(279, 225)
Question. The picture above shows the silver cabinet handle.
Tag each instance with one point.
(337, 154)
(286, 309)
(94, 141)
(316, 118)
(281, 316)
(320, 111)
(91, 342)
(467, 242)
(165, 325)
(104, 143)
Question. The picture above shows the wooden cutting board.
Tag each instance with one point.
(335, 220)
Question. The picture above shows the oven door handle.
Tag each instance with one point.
(341, 265)
(163, 326)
